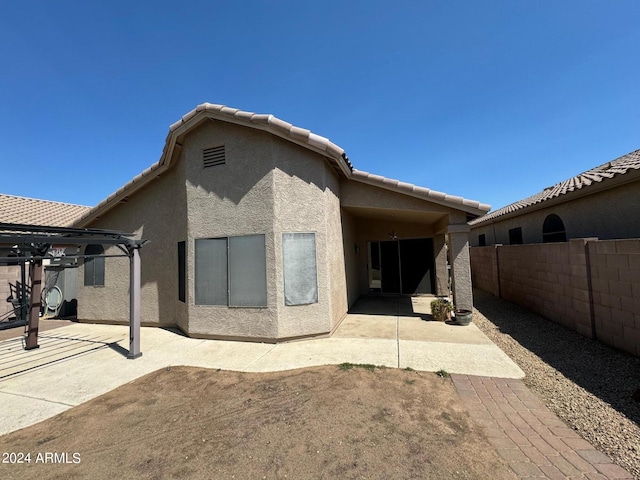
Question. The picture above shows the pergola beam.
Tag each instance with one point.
(30, 243)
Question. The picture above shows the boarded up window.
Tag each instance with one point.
(300, 270)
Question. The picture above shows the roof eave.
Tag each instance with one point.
(469, 206)
(195, 118)
(596, 187)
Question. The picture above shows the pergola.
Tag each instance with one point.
(30, 243)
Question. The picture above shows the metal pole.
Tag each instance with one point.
(134, 303)
(34, 314)
(24, 308)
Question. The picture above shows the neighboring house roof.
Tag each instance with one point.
(267, 122)
(585, 183)
(31, 211)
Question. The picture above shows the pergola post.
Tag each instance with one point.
(34, 314)
(460, 266)
(134, 302)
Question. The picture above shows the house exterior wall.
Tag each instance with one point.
(588, 285)
(233, 199)
(156, 213)
(354, 251)
(356, 194)
(307, 200)
(267, 186)
(606, 215)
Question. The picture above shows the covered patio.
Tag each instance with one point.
(400, 239)
(404, 318)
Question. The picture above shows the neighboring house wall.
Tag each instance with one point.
(608, 214)
(590, 286)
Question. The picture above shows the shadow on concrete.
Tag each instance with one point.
(53, 349)
(387, 305)
(176, 331)
(118, 349)
(12, 323)
(611, 375)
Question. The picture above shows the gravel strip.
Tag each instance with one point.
(585, 383)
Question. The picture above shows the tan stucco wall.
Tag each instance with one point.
(156, 213)
(307, 200)
(606, 215)
(356, 194)
(231, 200)
(352, 258)
(267, 186)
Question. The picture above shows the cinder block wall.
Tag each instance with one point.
(8, 274)
(590, 286)
(484, 269)
(615, 277)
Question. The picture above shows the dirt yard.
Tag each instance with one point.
(323, 422)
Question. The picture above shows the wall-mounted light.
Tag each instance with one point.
(393, 235)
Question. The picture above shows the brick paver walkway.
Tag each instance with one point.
(527, 435)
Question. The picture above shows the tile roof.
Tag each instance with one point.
(32, 211)
(260, 121)
(583, 181)
(267, 122)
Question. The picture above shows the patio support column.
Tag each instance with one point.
(461, 267)
(34, 314)
(440, 254)
(134, 302)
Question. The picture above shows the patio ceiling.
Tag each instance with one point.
(396, 215)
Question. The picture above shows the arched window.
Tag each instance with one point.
(94, 267)
(553, 229)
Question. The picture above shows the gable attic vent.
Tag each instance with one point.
(213, 156)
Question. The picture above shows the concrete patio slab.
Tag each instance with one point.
(78, 362)
(329, 351)
(368, 326)
(486, 360)
(419, 330)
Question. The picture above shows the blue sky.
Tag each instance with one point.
(491, 100)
